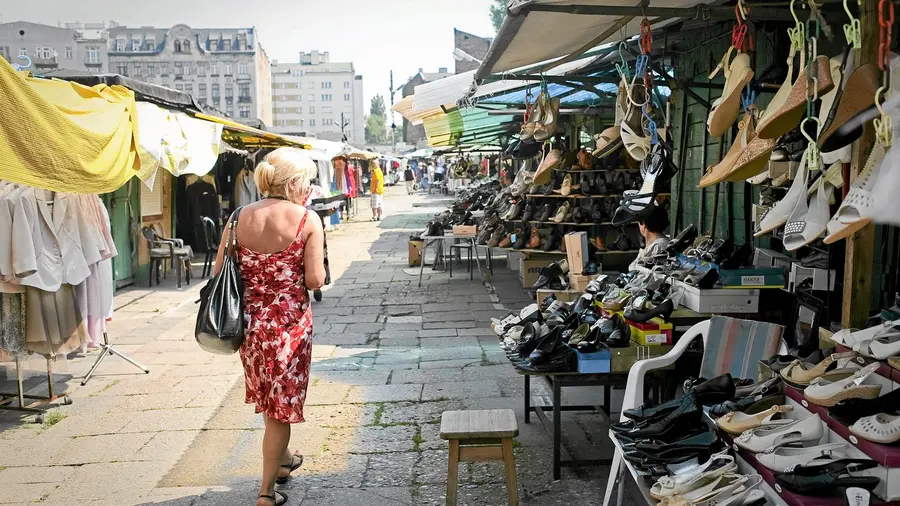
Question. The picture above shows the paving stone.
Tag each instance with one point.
(390, 469)
(337, 364)
(397, 355)
(358, 497)
(340, 416)
(354, 318)
(333, 470)
(438, 333)
(427, 376)
(341, 338)
(365, 328)
(398, 334)
(88, 425)
(407, 310)
(461, 390)
(404, 319)
(30, 475)
(477, 331)
(451, 364)
(432, 467)
(384, 393)
(407, 342)
(168, 446)
(449, 342)
(326, 393)
(354, 351)
(25, 493)
(445, 307)
(372, 439)
(451, 353)
(367, 377)
(331, 311)
(458, 325)
(396, 326)
(169, 420)
(106, 448)
(418, 413)
(82, 488)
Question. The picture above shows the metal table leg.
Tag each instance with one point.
(422, 263)
(527, 399)
(557, 426)
(477, 261)
(607, 394)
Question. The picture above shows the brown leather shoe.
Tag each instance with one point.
(584, 159)
(535, 241)
(599, 244)
(507, 241)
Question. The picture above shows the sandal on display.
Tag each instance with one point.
(826, 479)
(632, 129)
(545, 169)
(725, 109)
(841, 70)
(808, 221)
(856, 496)
(608, 141)
(885, 344)
(828, 392)
(799, 374)
(724, 490)
(851, 339)
(766, 438)
(718, 465)
(776, 216)
(882, 428)
(746, 133)
(858, 207)
(854, 109)
(736, 422)
(786, 457)
(788, 116)
(850, 411)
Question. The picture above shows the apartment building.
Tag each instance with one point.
(319, 98)
(74, 46)
(224, 67)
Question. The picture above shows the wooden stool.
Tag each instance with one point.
(478, 436)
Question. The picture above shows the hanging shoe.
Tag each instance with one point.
(778, 215)
(636, 203)
(544, 172)
(853, 111)
(547, 127)
(746, 133)
(632, 129)
(608, 141)
(808, 221)
(788, 116)
(842, 67)
(725, 109)
(858, 207)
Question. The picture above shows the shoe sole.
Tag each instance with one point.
(860, 392)
(732, 104)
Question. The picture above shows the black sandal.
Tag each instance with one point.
(274, 498)
(293, 466)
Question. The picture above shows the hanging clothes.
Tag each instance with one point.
(12, 322)
(245, 189)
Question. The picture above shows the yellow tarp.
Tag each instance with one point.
(66, 137)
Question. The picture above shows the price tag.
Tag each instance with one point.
(655, 338)
(753, 280)
(512, 237)
(735, 446)
(804, 403)
(854, 440)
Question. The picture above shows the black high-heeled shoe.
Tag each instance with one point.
(682, 241)
(828, 479)
(638, 316)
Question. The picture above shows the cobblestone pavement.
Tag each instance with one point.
(389, 357)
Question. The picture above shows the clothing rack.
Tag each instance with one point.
(107, 351)
(8, 398)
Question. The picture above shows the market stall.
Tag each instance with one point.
(719, 240)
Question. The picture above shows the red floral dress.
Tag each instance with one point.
(277, 349)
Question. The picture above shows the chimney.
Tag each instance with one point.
(314, 56)
(442, 70)
(420, 70)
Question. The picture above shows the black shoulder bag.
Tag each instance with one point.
(220, 321)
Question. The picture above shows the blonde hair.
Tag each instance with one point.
(285, 172)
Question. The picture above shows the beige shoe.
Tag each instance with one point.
(726, 108)
(746, 133)
(798, 373)
(566, 187)
(561, 212)
(788, 116)
(545, 170)
(549, 121)
(737, 422)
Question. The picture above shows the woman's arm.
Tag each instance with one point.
(223, 246)
(314, 254)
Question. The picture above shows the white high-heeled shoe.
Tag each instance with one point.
(766, 438)
(828, 392)
(718, 465)
(779, 214)
(851, 339)
(782, 458)
(885, 345)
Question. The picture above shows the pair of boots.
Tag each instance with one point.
(554, 272)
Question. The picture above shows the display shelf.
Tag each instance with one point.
(641, 484)
(580, 196)
(596, 170)
(884, 370)
(556, 252)
(887, 455)
(570, 223)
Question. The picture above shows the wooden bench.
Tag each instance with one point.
(478, 436)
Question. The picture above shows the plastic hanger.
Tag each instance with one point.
(852, 30)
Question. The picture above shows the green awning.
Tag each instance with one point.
(465, 126)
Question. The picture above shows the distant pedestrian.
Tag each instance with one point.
(377, 190)
(410, 178)
(280, 253)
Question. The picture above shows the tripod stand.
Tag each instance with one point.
(109, 350)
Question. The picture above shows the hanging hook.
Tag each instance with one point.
(884, 128)
(812, 152)
(852, 30)
(19, 66)
(797, 34)
(623, 68)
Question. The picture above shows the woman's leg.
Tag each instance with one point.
(275, 443)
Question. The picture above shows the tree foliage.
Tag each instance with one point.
(498, 13)
(376, 129)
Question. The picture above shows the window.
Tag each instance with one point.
(138, 69)
(135, 45)
(120, 44)
(297, 73)
(43, 52)
(312, 98)
(312, 110)
(186, 46)
(299, 110)
(69, 52)
(152, 199)
(151, 69)
(244, 111)
(229, 91)
(215, 92)
(122, 68)
(201, 90)
(312, 122)
(187, 69)
(177, 46)
(179, 69)
(243, 68)
(327, 122)
(229, 111)
(346, 85)
(311, 86)
(326, 85)
(214, 69)
(227, 69)
(23, 51)
(201, 68)
(189, 88)
(244, 92)
(346, 96)
(326, 97)
(179, 87)
(93, 54)
(327, 110)
(226, 45)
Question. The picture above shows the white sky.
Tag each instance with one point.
(376, 35)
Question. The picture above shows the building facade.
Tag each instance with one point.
(474, 46)
(75, 46)
(226, 68)
(318, 98)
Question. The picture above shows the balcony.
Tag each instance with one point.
(229, 100)
(244, 77)
(245, 100)
(44, 62)
(92, 61)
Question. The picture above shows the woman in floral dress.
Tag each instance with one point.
(281, 257)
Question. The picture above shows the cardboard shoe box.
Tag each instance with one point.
(531, 267)
(464, 229)
(415, 253)
(576, 251)
(579, 282)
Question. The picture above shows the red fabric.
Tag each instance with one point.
(277, 349)
(351, 181)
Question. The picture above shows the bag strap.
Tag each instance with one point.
(232, 234)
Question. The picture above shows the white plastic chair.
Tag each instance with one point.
(634, 397)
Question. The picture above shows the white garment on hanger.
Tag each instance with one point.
(203, 141)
